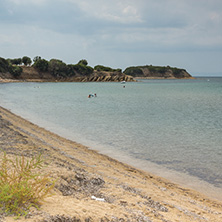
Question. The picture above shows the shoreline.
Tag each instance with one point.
(177, 177)
(48, 80)
(127, 192)
(160, 78)
(180, 178)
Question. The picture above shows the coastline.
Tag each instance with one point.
(125, 193)
(151, 78)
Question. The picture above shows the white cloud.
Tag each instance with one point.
(97, 28)
(25, 2)
(115, 11)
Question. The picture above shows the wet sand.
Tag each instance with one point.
(94, 187)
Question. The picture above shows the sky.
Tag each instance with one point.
(116, 33)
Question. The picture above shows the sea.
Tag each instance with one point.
(172, 128)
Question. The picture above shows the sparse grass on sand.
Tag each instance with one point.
(21, 184)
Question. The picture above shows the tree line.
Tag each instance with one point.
(138, 70)
(54, 66)
(59, 69)
(12, 65)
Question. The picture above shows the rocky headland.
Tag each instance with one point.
(56, 70)
(33, 74)
(157, 72)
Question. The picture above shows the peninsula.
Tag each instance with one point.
(157, 72)
(22, 69)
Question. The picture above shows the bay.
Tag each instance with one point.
(166, 125)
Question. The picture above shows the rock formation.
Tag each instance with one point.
(156, 72)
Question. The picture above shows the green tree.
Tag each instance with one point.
(71, 71)
(119, 70)
(41, 64)
(16, 71)
(133, 71)
(83, 70)
(106, 68)
(36, 58)
(83, 62)
(103, 68)
(17, 61)
(58, 68)
(26, 60)
(4, 65)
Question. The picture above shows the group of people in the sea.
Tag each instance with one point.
(92, 95)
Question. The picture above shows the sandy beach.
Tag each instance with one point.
(94, 187)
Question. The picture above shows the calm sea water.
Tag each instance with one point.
(174, 124)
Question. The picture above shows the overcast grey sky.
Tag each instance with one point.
(116, 33)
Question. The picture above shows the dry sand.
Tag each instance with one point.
(94, 187)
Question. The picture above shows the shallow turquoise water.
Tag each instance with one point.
(176, 124)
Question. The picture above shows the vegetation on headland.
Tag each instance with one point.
(56, 70)
(7, 66)
(156, 71)
(106, 69)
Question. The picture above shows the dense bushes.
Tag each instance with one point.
(83, 62)
(6, 66)
(83, 69)
(106, 69)
(59, 69)
(157, 69)
(133, 71)
(18, 61)
(56, 67)
(41, 64)
(16, 71)
(12, 65)
(178, 73)
(138, 71)
(102, 68)
(26, 60)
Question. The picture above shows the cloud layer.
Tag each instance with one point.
(119, 33)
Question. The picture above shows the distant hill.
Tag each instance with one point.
(56, 70)
(32, 74)
(20, 69)
(150, 71)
